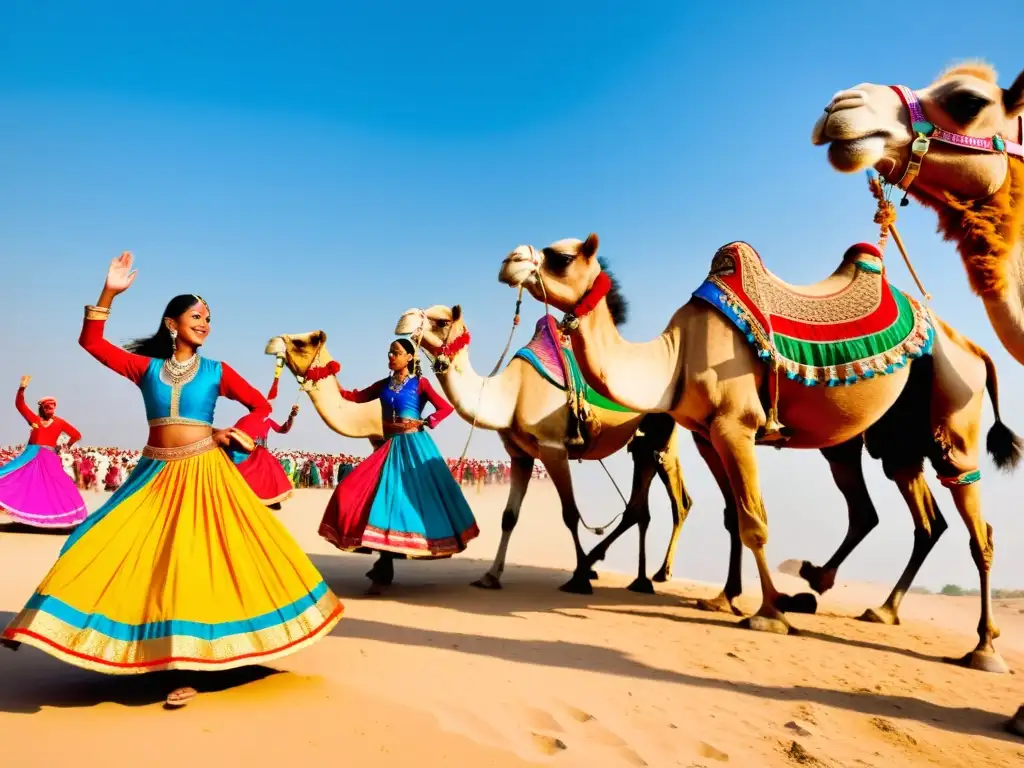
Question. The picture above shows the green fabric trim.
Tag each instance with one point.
(593, 398)
(823, 354)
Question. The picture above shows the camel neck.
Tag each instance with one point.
(641, 377)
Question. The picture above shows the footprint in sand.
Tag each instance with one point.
(549, 745)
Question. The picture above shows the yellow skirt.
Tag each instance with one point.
(183, 568)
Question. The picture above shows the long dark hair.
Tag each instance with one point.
(160, 345)
(414, 364)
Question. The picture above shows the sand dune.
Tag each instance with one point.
(437, 673)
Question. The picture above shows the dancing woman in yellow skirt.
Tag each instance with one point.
(183, 568)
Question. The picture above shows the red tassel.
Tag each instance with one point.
(273, 390)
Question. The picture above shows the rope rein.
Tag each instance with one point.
(597, 530)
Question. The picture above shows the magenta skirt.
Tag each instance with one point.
(35, 490)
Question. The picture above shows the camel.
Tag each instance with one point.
(300, 352)
(967, 165)
(708, 370)
(653, 449)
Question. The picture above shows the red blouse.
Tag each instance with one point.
(133, 367)
(45, 434)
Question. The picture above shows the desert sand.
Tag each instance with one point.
(438, 673)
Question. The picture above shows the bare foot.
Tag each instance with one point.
(179, 697)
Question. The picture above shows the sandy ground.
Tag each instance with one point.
(437, 673)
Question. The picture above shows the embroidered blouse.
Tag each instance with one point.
(45, 434)
(406, 403)
(190, 402)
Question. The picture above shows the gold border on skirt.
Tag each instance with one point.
(179, 452)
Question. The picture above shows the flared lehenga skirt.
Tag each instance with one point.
(401, 499)
(265, 475)
(183, 568)
(35, 490)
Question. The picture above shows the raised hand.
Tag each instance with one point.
(295, 411)
(120, 275)
(24, 381)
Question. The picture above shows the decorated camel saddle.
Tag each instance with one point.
(853, 325)
(552, 357)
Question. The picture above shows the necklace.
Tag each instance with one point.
(178, 373)
(396, 384)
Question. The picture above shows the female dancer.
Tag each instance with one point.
(260, 469)
(34, 488)
(183, 568)
(402, 500)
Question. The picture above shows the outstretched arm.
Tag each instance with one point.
(120, 276)
(23, 409)
(442, 408)
(367, 395)
(284, 429)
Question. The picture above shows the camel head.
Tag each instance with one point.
(562, 274)
(300, 351)
(870, 126)
(436, 330)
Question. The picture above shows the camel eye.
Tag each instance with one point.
(964, 106)
(299, 344)
(443, 323)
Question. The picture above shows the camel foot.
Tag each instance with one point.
(662, 575)
(768, 620)
(881, 615)
(720, 604)
(805, 602)
(819, 579)
(1016, 724)
(487, 581)
(983, 661)
(641, 586)
(375, 589)
(578, 585)
(179, 697)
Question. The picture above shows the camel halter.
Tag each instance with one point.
(448, 350)
(925, 132)
(570, 323)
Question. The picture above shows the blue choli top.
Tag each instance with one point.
(407, 403)
(192, 402)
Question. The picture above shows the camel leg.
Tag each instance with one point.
(522, 471)
(844, 461)
(733, 439)
(734, 581)
(968, 502)
(670, 470)
(929, 525)
(637, 512)
(557, 463)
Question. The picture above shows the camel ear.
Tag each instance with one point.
(590, 246)
(456, 313)
(1013, 97)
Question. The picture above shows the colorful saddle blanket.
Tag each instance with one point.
(853, 325)
(555, 361)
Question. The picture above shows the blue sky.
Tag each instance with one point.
(331, 167)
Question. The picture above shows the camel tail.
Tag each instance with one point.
(1004, 446)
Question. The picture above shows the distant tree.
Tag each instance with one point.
(952, 590)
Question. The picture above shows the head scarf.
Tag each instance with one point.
(43, 401)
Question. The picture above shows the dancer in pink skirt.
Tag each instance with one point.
(34, 488)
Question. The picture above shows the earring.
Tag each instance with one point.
(174, 340)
